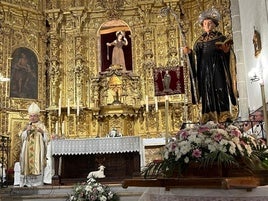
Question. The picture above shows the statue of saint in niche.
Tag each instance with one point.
(115, 38)
(118, 57)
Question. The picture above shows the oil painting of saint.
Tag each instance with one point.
(24, 74)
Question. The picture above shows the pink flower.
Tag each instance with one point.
(196, 153)
(218, 137)
(184, 134)
(235, 133)
(222, 126)
(242, 142)
(203, 129)
(173, 146)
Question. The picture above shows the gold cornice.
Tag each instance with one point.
(117, 110)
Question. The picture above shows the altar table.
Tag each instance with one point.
(75, 158)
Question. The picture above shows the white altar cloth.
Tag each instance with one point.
(187, 194)
(96, 145)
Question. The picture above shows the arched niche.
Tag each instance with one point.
(107, 34)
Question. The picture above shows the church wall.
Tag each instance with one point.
(258, 19)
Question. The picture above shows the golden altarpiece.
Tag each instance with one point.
(80, 94)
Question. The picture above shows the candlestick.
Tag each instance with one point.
(166, 117)
(264, 109)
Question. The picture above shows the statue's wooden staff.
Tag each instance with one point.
(164, 12)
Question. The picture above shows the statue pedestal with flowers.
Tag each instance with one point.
(210, 155)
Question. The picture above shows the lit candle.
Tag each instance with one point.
(68, 107)
(156, 103)
(147, 103)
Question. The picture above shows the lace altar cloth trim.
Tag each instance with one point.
(179, 194)
(96, 145)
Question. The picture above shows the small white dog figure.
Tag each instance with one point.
(97, 174)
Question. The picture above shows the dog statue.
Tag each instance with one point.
(97, 174)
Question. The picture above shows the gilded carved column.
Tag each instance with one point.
(79, 70)
(54, 18)
(148, 58)
(54, 69)
(79, 16)
(54, 74)
(172, 48)
(79, 75)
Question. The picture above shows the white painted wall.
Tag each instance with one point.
(252, 13)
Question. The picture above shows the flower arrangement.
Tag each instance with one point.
(207, 145)
(92, 191)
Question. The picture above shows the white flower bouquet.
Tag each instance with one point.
(209, 145)
(92, 191)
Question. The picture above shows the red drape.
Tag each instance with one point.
(176, 85)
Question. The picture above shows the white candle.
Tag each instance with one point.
(62, 127)
(77, 111)
(156, 103)
(59, 106)
(147, 103)
(56, 128)
(181, 51)
(68, 107)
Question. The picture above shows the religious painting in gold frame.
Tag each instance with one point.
(24, 74)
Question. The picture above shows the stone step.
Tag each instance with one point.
(60, 193)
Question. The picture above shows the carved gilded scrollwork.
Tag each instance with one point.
(73, 51)
(54, 17)
(54, 69)
(112, 7)
(79, 16)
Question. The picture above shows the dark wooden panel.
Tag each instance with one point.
(118, 166)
